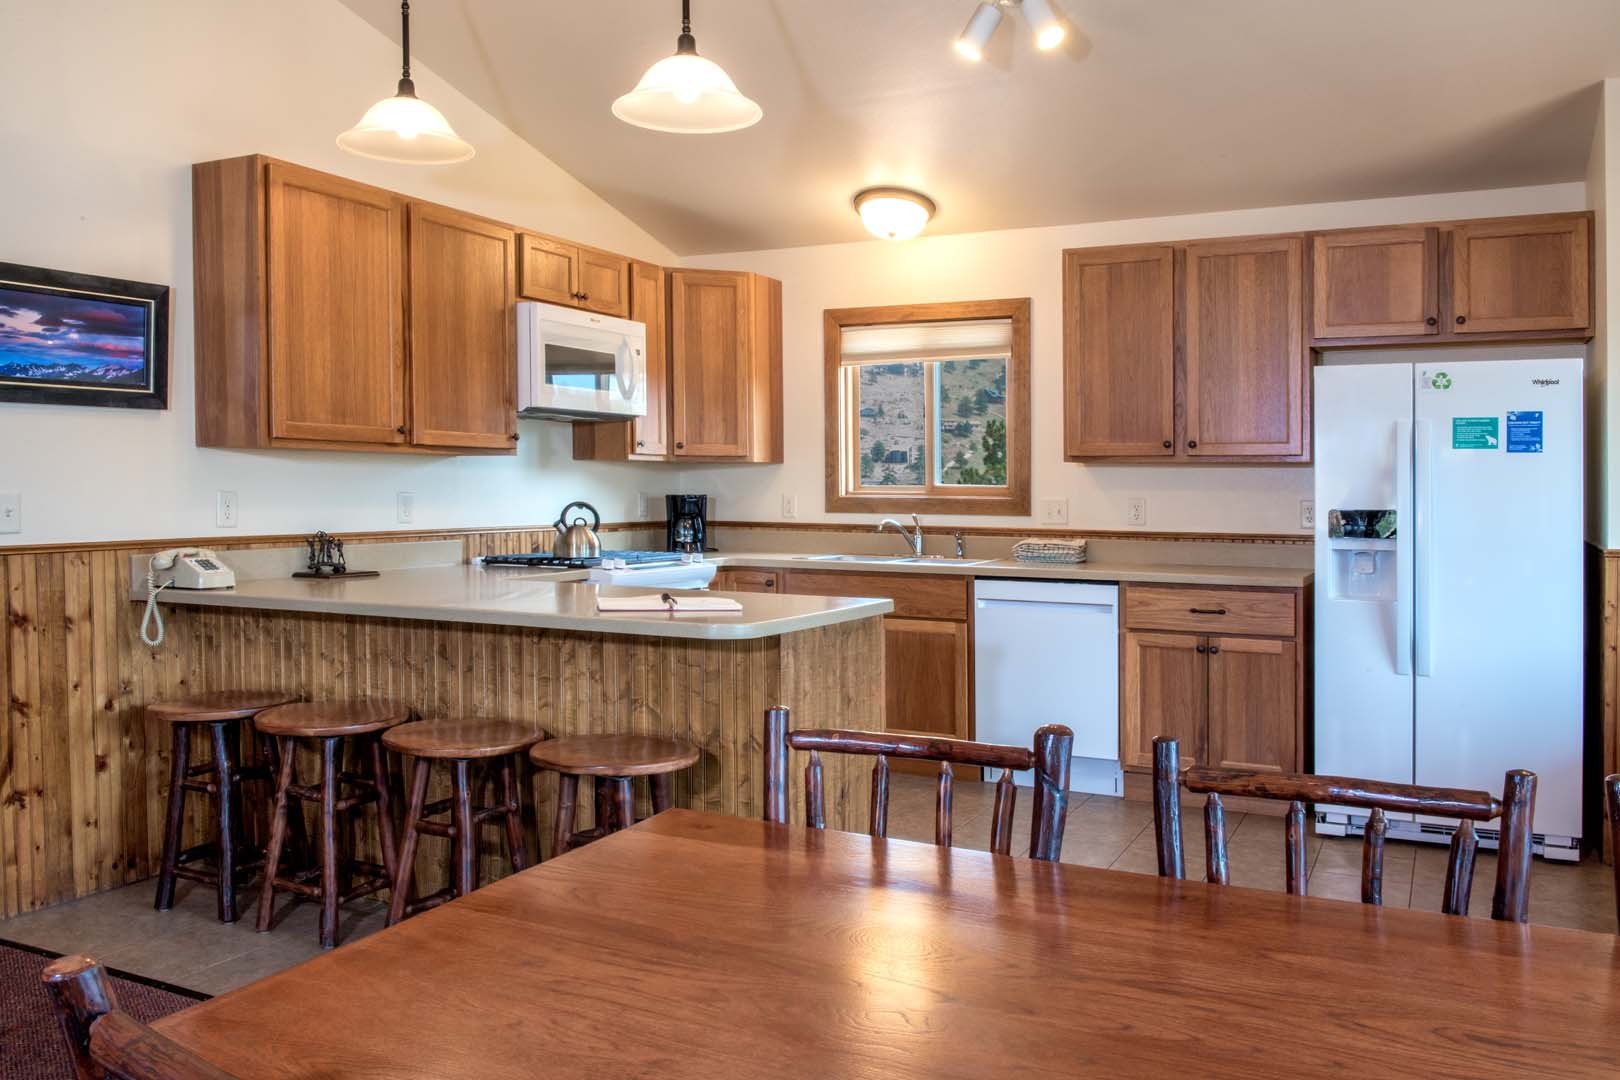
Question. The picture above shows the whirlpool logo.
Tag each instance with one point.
(1544, 382)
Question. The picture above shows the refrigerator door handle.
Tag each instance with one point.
(1423, 545)
(1403, 568)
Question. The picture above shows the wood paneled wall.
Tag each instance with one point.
(1608, 678)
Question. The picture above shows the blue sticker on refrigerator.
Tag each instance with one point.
(1524, 432)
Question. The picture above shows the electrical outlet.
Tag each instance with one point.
(1307, 513)
(790, 505)
(10, 512)
(642, 499)
(405, 505)
(1136, 511)
(225, 510)
(1054, 511)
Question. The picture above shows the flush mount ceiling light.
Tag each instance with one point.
(975, 37)
(891, 213)
(404, 128)
(687, 94)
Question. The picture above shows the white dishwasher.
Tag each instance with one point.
(1047, 652)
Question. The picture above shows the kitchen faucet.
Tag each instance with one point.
(912, 536)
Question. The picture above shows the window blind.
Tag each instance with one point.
(901, 342)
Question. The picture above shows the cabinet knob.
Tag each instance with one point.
(640, 443)
(1213, 649)
(400, 429)
(1431, 321)
(514, 436)
(1461, 319)
(1168, 444)
(1199, 648)
(1192, 444)
(680, 446)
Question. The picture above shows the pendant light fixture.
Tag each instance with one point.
(404, 128)
(687, 94)
(975, 37)
(893, 213)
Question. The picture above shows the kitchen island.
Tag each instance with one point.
(462, 641)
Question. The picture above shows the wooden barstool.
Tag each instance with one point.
(613, 761)
(498, 742)
(222, 713)
(330, 723)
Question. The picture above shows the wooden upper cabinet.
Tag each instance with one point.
(463, 375)
(1521, 274)
(1163, 692)
(1245, 354)
(725, 365)
(645, 438)
(1119, 352)
(1253, 703)
(557, 272)
(335, 290)
(1370, 283)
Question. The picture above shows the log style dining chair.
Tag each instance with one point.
(106, 1042)
(1510, 903)
(1049, 758)
(1611, 803)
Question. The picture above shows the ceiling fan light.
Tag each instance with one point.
(894, 213)
(1049, 29)
(976, 35)
(407, 130)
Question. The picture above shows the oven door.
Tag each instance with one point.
(573, 364)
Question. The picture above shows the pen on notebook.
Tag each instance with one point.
(670, 600)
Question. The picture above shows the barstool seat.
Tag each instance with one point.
(612, 761)
(330, 723)
(220, 779)
(460, 742)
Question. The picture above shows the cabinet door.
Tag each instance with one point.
(550, 270)
(1253, 704)
(710, 370)
(1246, 360)
(1375, 283)
(335, 289)
(604, 282)
(1164, 693)
(743, 579)
(1119, 352)
(463, 376)
(1521, 274)
(926, 677)
(649, 304)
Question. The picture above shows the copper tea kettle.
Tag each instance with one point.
(577, 540)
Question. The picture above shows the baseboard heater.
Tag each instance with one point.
(1559, 848)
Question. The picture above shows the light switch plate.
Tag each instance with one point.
(1136, 511)
(225, 510)
(790, 505)
(10, 512)
(1054, 511)
(405, 507)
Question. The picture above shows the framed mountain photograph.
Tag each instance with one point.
(77, 339)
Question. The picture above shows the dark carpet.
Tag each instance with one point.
(31, 1046)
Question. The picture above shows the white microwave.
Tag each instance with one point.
(577, 365)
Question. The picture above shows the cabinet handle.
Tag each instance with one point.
(1192, 444)
(640, 443)
(1168, 444)
(1200, 648)
(680, 446)
(770, 583)
(584, 297)
(1206, 611)
(514, 436)
(400, 429)
(1214, 649)
(1461, 319)
(1430, 321)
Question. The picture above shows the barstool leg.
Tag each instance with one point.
(179, 762)
(516, 849)
(385, 810)
(225, 780)
(624, 795)
(407, 855)
(604, 804)
(329, 843)
(466, 838)
(567, 793)
(660, 792)
(278, 833)
(295, 840)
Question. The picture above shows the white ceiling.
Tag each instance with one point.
(1152, 107)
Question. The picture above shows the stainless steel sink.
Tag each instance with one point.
(942, 560)
(838, 558)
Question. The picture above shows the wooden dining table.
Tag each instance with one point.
(697, 945)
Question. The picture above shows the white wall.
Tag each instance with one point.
(1028, 262)
(106, 107)
(1603, 198)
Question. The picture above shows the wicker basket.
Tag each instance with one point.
(1050, 551)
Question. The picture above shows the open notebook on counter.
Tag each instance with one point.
(668, 602)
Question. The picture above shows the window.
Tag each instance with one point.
(927, 408)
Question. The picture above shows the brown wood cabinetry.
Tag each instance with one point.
(558, 272)
(745, 579)
(463, 380)
(1187, 352)
(725, 366)
(1490, 279)
(1221, 669)
(647, 437)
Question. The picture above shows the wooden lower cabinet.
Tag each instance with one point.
(1253, 701)
(1164, 692)
(925, 688)
(743, 579)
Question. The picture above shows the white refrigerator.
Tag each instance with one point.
(1449, 636)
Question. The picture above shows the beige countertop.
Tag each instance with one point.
(515, 597)
(1135, 572)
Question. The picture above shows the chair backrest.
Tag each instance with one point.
(1048, 758)
(105, 1041)
(1611, 803)
(1511, 901)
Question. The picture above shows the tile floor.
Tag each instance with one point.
(188, 947)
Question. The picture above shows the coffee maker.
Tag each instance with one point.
(687, 522)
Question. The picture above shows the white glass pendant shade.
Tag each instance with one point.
(976, 35)
(687, 94)
(406, 129)
(893, 213)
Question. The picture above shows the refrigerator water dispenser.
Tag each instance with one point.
(1363, 545)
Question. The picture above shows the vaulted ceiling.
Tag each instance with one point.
(1150, 107)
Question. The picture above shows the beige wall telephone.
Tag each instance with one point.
(180, 568)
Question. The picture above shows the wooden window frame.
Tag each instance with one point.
(843, 491)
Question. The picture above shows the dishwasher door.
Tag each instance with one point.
(1047, 652)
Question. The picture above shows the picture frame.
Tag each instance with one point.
(81, 339)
